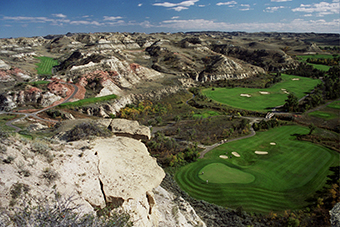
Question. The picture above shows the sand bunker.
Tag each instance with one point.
(245, 95)
(296, 79)
(272, 143)
(261, 152)
(283, 89)
(235, 154)
(224, 156)
(264, 92)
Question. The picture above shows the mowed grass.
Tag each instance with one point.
(206, 114)
(225, 174)
(317, 66)
(44, 67)
(262, 102)
(334, 105)
(87, 101)
(290, 173)
(323, 115)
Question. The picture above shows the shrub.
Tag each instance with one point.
(50, 175)
(9, 159)
(58, 212)
(43, 149)
(87, 130)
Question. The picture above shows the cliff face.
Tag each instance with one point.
(114, 171)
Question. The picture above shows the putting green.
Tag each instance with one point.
(283, 179)
(221, 173)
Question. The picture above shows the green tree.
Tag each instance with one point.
(291, 103)
(311, 128)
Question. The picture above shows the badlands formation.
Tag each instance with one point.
(134, 66)
(115, 171)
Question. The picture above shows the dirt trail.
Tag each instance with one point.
(34, 114)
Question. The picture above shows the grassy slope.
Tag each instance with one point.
(45, 65)
(292, 171)
(88, 101)
(258, 102)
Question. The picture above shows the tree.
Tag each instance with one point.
(291, 103)
(311, 128)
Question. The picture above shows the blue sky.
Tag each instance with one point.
(25, 18)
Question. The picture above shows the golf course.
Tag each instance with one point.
(271, 171)
(262, 99)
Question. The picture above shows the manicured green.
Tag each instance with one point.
(262, 102)
(88, 101)
(221, 173)
(334, 105)
(284, 178)
(324, 115)
(35, 83)
(317, 66)
(206, 114)
(44, 67)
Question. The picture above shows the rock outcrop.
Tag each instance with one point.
(222, 67)
(113, 171)
(127, 128)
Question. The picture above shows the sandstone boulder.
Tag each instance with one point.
(123, 127)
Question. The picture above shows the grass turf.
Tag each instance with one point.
(334, 105)
(323, 115)
(291, 172)
(317, 66)
(262, 102)
(221, 173)
(44, 67)
(87, 101)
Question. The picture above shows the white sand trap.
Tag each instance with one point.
(261, 152)
(235, 154)
(296, 79)
(264, 92)
(273, 143)
(286, 92)
(224, 156)
(245, 95)
(283, 89)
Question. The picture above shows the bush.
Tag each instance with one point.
(58, 212)
(50, 175)
(43, 149)
(87, 130)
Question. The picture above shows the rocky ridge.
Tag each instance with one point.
(114, 171)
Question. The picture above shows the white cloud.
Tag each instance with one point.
(59, 15)
(321, 9)
(177, 6)
(106, 18)
(273, 9)
(180, 8)
(308, 15)
(281, 0)
(297, 25)
(247, 7)
(226, 3)
(82, 22)
(176, 17)
(140, 4)
(201, 5)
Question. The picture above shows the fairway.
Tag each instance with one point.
(290, 172)
(334, 105)
(323, 114)
(262, 99)
(44, 67)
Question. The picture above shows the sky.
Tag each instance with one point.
(27, 18)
